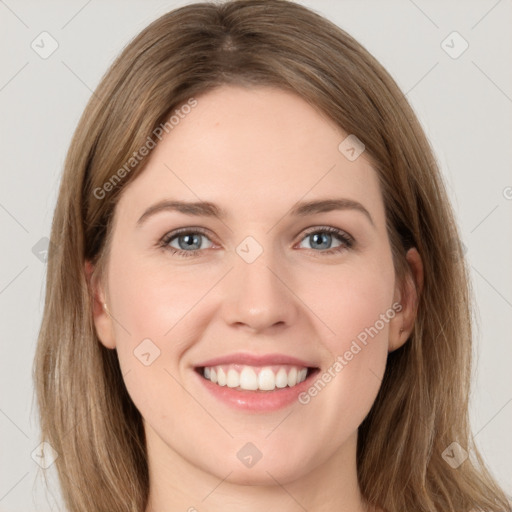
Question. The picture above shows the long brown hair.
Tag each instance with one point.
(85, 411)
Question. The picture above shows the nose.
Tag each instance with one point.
(259, 296)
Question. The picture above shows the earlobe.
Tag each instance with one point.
(407, 294)
(101, 316)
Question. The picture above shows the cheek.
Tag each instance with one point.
(351, 298)
(151, 298)
(356, 325)
(157, 318)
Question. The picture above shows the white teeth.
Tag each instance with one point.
(292, 377)
(266, 379)
(252, 378)
(281, 378)
(221, 377)
(248, 379)
(233, 379)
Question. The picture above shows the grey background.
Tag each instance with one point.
(464, 104)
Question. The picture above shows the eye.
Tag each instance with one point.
(186, 241)
(322, 238)
(189, 241)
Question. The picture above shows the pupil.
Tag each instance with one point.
(317, 236)
(189, 241)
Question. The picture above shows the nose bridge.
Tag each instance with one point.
(255, 293)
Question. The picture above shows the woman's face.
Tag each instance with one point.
(282, 267)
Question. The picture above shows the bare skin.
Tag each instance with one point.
(255, 153)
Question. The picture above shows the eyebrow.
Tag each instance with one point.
(208, 209)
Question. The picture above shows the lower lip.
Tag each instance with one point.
(257, 401)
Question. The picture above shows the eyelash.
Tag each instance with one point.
(347, 242)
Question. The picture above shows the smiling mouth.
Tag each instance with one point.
(256, 378)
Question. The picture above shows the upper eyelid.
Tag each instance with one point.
(327, 229)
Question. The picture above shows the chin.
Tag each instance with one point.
(278, 469)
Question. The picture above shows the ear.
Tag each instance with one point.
(407, 294)
(102, 319)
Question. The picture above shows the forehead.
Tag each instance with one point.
(257, 149)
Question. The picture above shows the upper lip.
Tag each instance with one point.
(256, 360)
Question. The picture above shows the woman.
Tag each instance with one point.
(194, 353)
